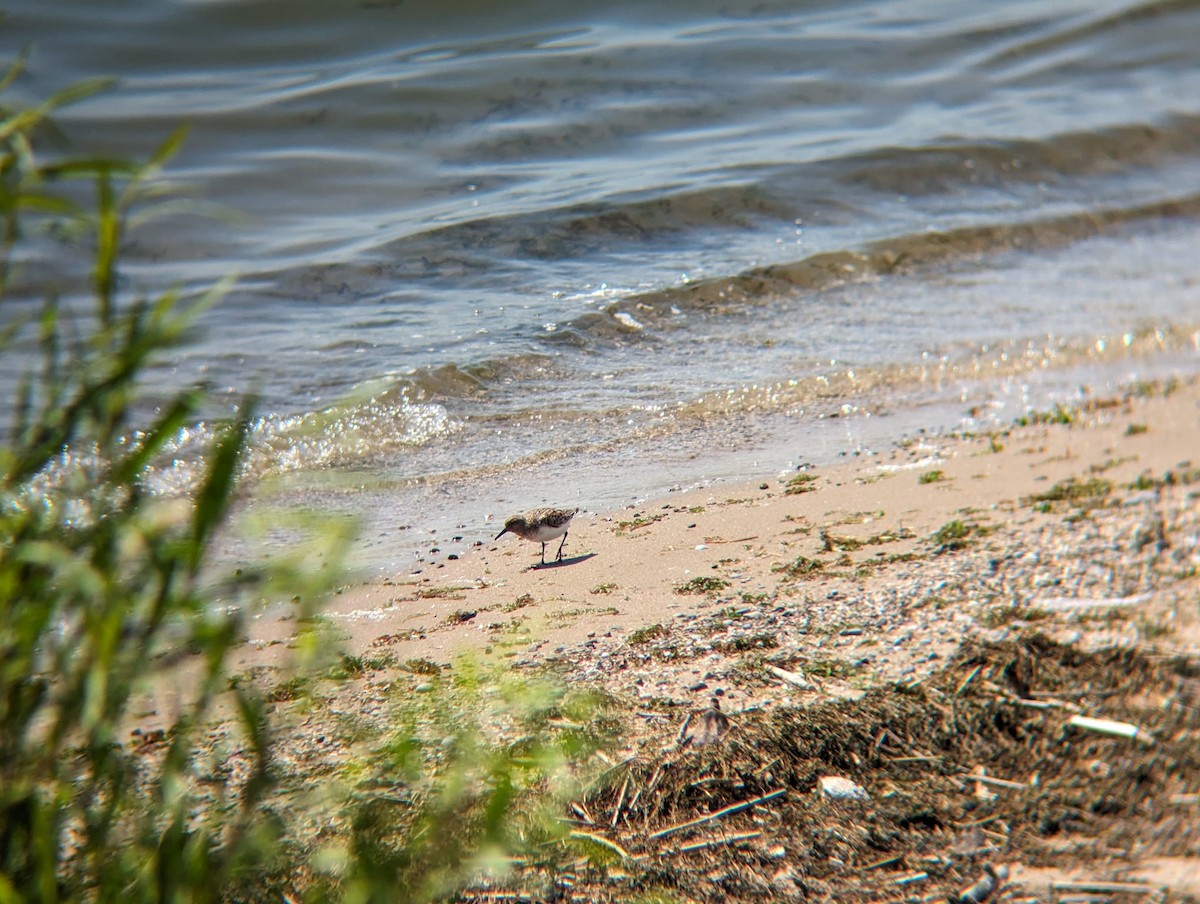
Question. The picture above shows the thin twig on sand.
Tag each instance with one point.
(712, 817)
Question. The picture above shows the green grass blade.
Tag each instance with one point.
(213, 498)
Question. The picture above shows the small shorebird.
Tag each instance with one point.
(713, 724)
(541, 525)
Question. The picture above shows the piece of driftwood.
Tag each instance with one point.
(715, 842)
(887, 861)
(761, 769)
(793, 678)
(1042, 704)
(682, 739)
(986, 886)
(581, 811)
(1102, 888)
(963, 686)
(1071, 603)
(996, 782)
(620, 801)
(719, 814)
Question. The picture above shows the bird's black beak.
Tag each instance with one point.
(501, 534)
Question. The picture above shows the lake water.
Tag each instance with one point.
(491, 256)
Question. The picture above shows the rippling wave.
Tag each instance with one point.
(476, 236)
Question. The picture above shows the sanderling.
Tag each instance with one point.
(541, 525)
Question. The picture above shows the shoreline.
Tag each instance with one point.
(859, 522)
(414, 518)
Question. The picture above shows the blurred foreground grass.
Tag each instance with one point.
(108, 594)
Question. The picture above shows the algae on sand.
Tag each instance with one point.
(914, 749)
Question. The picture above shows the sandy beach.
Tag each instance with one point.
(868, 531)
(823, 591)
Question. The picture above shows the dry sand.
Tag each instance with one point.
(829, 586)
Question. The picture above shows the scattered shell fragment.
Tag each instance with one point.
(837, 787)
(1111, 727)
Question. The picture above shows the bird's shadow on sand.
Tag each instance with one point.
(570, 560)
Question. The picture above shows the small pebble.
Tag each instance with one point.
(837, 787)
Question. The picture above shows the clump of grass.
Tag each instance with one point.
(357, 666)
(107, 587)
(638, 521)
(1147, 389)
(800, 567)
(384, 640)
(647, 634)
(1084, 494)
(1183, 476)
(746, 642)
(831, 668)
(1144, 481)
(831, 542)
(440, 593)
(458, 616)
(1060, 414)
(566, 615)
(97, 609)
(420, 666)
(1152, 630)
(288, 690)
(999, 616)
(605, 588)
(957, 534)
(702, 584)
(525, 599)
(1136, 429)
(800, 483)
(1108, 464)
(931, 477)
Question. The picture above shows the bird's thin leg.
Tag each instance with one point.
(543, 552)
(560, 546)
